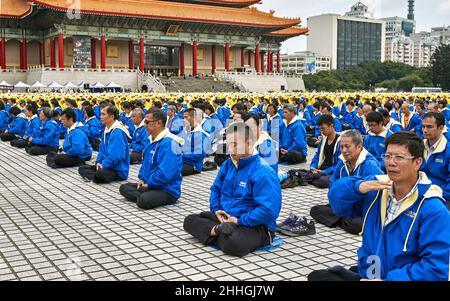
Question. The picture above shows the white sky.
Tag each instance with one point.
(428, 13)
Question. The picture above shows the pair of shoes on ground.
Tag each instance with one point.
(293, 182)
(296, 226)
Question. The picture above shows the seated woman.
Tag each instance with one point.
(61, 127)
(245, 200)
(140, 136)
(48, 137)
(4, 117)
(76, 148)
(93, 125)
(17, 127)
(32, 128)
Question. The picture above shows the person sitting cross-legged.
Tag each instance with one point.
(47, 139)
(406, 227)
(76, 148)
(17, 127)
(160, 174)
(32, 128)
(140, 136)
(113, 159)
(245, 200)
(94, 127)
(293, 147)
(354, 161)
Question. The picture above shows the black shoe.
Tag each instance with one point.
(290, 183)
(300, 228)
(209, 166)
(289, 222)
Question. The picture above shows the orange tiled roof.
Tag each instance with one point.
(231, 2)
(175, 11)
(14, 8)
(290, 32)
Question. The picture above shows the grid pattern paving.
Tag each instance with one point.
(55, 226)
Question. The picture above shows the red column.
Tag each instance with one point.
(262, 61)
(278, 61)
(242, 57)
(93, 53)
(52, 53)
(103, 52)
(249, 54)
(257, 57)
(60, 51)
(141, 55)
(130, 55)
(269, 56)
(24, 64)
(213, 63)
(3, 52)
(227, 57)
(194, 58)
(182, 60)
(41, 53)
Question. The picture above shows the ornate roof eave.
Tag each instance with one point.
(231, 3)
(13, 9)
(289, 32)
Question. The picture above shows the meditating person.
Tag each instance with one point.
(47, 139)
(140, 136)
(17, 127)
(293, 147)
(32, 127)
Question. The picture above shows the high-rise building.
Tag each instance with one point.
(304, 62)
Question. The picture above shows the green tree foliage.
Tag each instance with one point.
(440, 62)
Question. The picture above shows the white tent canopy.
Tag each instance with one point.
(98, 85)
(38, 84)
(70, 85)
(5, 84)
(21, 84)
(113, 85)
(55, 85)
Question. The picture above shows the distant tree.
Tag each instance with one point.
(440, 62)
(410, 81)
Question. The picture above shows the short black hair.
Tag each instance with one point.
(158, 115)
(15, 111)
(112, 110)
(385, 114)
(248, 116)
(413, 142)
(325, 119)
(89, 112)
(388, 106)
(2, 105)
(240, 107)
(72, 102)
(440, 118)
(32, 107)
(374, 117)
(70, 114)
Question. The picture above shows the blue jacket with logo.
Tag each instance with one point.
(19, 125)
(414, 246)
(196, 146)
(349, 118)
(274, 126)
(114, 152)
(437, 167)
(268, 150)
(162, 165)
(76, 142)
(140, 139)
(33, 127)
(176, 125)
(94, 127)
(394, 126)
(250, 192)
(48, 134)
(319, 157)
(375, 145)
(294, 137)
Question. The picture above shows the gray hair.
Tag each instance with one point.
(290, 107)
(48, 113)
(355, 135)
(139, 112)
(172, 108)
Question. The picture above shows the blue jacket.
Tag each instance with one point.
(394, 126)
(349, 118)
(19, 125)
(48, 134)
(196, 145)
(337, 128)
(140, 139)
(216, 126)
(176, 125)
(319, 157)
(94, 129)
(224, 114)
(97, 112)
(437, 167)
(366, 166)
(80, 115)
(251, 192)
(358, 124)
(114, 152)
(294, 137)
(374, 144)
(268, 150)
(4, 117)
(33, 127)
(446, 112)
(305, 116)
(76, 142)
(315, 118)
(414, 246)
(162, 165)
(274, 126)
(414, 122)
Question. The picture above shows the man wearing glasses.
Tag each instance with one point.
(406, 224)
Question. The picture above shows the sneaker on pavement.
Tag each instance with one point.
(290, 221)
(300, 228)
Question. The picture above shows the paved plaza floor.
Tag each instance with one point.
(54, 226)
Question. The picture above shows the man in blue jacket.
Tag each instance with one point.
(410, 121)
(354, 161)
(406, 227)
(245, 200)
(377, 134)
(76, 147)
(390, 123)
(140, 136)
(436, 162)
(113, 159)
(174, 123)
(293, 147)
(160, 174)
(32, 128)
(94, 126)
(17, 127)
(196, 142)
(47, 139)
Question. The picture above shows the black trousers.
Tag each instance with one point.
(63, 160)
(324, 215)
(188, 170)
(335, 274)
(322, 182)
(240, 242)
(312, 142)
(219, 159)
(146, 199)
(102, 176)
(135, 158)
(8, 137)
(39, 150)
(292, 158)
(95, 144)
(20, 143)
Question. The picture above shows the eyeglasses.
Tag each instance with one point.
(396, 158)
(149, 121)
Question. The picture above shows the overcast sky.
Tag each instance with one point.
(429, 13)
